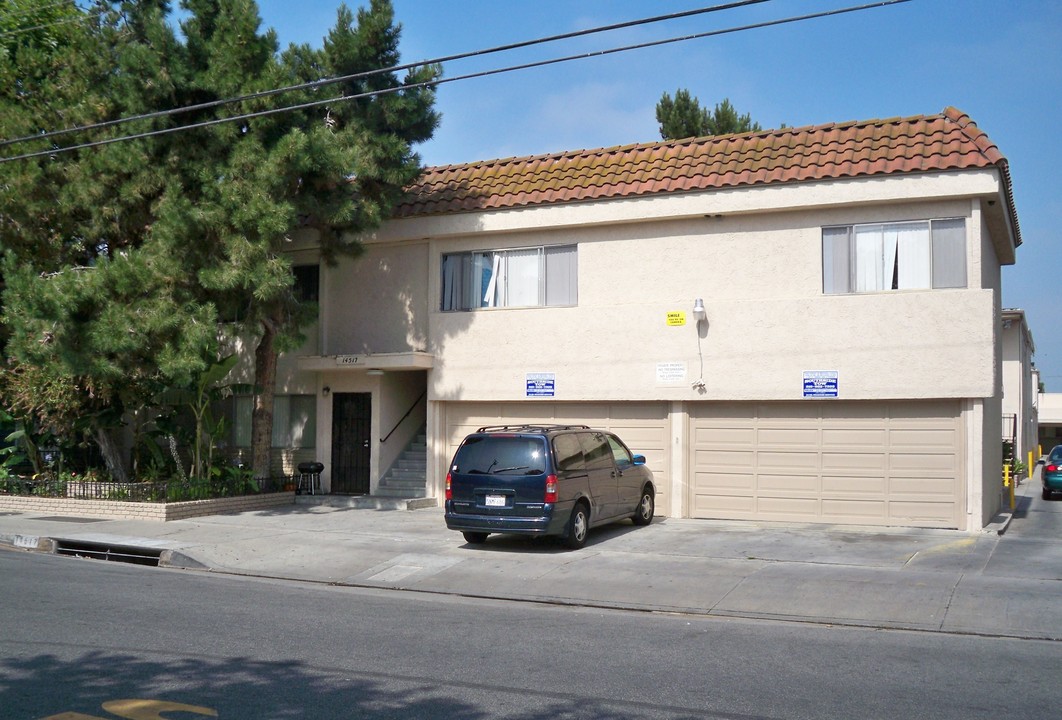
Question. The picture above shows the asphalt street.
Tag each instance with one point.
(1003, 581)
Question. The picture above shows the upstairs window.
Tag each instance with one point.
(894, 256)
(307, 282)
(528, 277)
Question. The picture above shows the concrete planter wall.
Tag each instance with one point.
(119, 510)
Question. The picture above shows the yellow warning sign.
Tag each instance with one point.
(676, 319)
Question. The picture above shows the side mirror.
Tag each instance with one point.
(639, 459)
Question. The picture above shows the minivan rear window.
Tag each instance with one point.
(501, 456)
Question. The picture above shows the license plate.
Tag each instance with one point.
(495, 501)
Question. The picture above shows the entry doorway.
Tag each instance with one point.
(351, 442)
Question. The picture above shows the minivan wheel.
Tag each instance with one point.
(1046, 494)
(643, 514)
(578, 527)
(475, 538)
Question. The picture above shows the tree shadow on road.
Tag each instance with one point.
(47, 687)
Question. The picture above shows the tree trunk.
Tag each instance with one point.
(265, 376)
(112, 455)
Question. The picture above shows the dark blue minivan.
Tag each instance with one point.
(545, 480)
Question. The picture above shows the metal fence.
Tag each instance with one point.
(164, 491)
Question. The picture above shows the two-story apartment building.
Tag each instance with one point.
(846, 366)
(1021, 386)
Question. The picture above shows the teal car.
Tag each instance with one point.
(1051, 473)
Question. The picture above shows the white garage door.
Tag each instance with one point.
(838, 462)
(643, 426)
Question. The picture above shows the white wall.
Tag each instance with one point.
(376, 303)
(768, 320)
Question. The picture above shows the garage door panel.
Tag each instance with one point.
(925, 439)
(921, 487)
(853, 462)
(926, 413)
(842, 414)
(853, 438)
(853, 511)
(793, 437)
(724, 506)
(783, 485)
(724, 437)
(640, 435)
(633, 412)
(788, 509)
(834, 461)
(921, 513)
(725, 483)
(904, 463)
(785, 414)
(793, 461)
(582, 414)
(850, 485)
(723, 460)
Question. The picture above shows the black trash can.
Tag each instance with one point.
(308, 479)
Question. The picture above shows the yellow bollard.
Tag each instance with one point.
(1030, 466)
(1008, 484)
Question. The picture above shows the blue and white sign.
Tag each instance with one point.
(541, 384)
(820, 383)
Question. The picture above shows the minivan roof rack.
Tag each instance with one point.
(537, 428)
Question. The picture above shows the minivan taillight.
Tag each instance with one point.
(1052, 468)
(551, 489)
(449, 487)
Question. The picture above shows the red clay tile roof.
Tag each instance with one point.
(925, 143)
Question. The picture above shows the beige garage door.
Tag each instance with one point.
(836, 462)
(643, 426)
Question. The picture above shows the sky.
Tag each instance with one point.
(999, 61)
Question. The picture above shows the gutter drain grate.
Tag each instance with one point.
(107, 551)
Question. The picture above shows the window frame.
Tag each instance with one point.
(241, 408)
(848, 269)
(493, 279)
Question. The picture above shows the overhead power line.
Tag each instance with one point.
(468, 76)
(44, 26)
(324, 82)
(7, 15)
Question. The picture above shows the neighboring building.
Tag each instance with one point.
(1050, 409)
(847, 369)
(1020, 386)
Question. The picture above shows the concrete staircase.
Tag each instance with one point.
(404, 487)
(407, 477)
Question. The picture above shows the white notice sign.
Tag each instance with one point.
(670, 373)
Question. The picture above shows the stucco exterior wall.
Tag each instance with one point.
(376, 303)
(768, 320)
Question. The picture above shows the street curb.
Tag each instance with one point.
(29, 542)
(999, 524)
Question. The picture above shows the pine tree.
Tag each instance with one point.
(121, 260)
(338, 168)
(683, 117)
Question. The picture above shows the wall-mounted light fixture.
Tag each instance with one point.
(699, 313)
(325, 390)
(374, 371)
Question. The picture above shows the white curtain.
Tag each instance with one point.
(523, 276)
(451, 285)
(562, 278)
(492, 296)
(949, 253)
(869, 258)
(916, 255)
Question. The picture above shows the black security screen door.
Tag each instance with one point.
(351, 446)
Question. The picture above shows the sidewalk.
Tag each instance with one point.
(934, 580)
